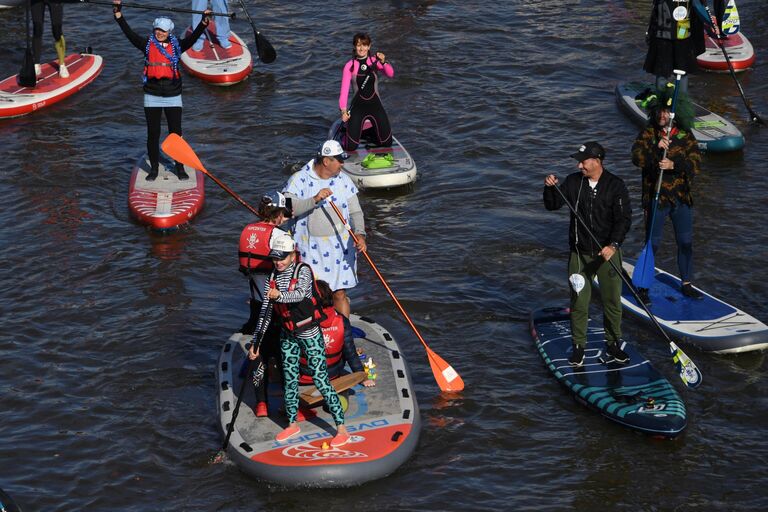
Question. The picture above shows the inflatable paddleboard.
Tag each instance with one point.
(166, 202)
(383, 421)
(17, 101)
(713, 132)
(633, 394)
(739, 50)
(708, 323)
(371, 166)
(214, 64)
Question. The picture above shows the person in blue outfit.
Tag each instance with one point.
(222, 23)
(321, 236)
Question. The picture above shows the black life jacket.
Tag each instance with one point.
(297, 317)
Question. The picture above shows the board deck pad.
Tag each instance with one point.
(633, 394)
(713, 132)
(739, 50)
(401, 172)
(709, 323)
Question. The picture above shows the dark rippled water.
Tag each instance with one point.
(110, 333)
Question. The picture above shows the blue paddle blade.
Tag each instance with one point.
(689, 372)
(642, 277)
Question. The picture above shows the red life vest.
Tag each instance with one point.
(299, 316)
(254, 248)
(333, 336)
(157, 65)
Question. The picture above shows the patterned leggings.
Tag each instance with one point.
(315, 349)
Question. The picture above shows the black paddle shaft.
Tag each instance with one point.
(160, 8)
(231, 426)
(620, 272)
(718, 42)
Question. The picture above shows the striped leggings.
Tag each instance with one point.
(314, 348)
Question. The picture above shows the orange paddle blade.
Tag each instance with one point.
(177, 148)
(447, 378)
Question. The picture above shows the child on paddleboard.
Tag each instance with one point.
(294, 301)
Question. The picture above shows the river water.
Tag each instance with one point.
(111, 333)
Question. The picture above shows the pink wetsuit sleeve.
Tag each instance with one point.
(386, 68)
(346, 80)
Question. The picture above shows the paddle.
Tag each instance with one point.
(159, 8)
(687, 370)
(266, 52)
(644, 269)
(447, 378)
(178, 149)
(27, 76)
(219, 457)
(718, 37)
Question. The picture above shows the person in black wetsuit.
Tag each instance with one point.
(162, 79)
(361, 73)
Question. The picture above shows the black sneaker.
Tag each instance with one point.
(616, 353)
(181, 173)
(152, 175)
(643, 294)
(689, 291)
(577, 357)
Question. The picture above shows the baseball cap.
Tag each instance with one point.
(282, 246)
(275, 199)
(589, 150)
(163, 23)
(334, 149)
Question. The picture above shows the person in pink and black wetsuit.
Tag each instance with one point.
(361, 72)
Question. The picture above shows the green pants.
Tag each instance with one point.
(291, 347)
(610, 292)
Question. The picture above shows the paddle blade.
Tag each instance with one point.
(642, 277)
(177, 148)
(267, 53)
(688, 371)
(26, 77)
(447, 378)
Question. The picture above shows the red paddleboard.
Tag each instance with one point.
(16, 100)
(166, 202)
(739, 50)
(214, 64)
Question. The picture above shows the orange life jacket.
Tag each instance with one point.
(157, 65)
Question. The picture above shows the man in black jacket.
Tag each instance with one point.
(601, 200)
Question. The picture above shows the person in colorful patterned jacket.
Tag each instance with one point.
(681, 164)
(162, 79)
